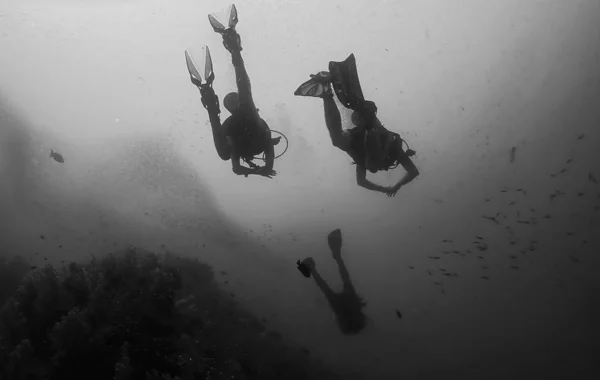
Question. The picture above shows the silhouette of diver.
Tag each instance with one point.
(347, 305)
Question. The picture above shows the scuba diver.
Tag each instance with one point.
(244, 134)
(346, 305)
(368, 143)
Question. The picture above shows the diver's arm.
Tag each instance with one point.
(235, 162)
(411, 171)
(362, 181)
(242, 80)
(269, 154)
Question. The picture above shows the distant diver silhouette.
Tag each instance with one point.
(346, 305)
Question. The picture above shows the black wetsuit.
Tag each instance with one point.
(248, 139)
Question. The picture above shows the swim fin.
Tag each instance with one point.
(204, 63)
(305, 270)
(311, 88)
(346, 83)
(224, 20)
(334, 240)
(316, 86)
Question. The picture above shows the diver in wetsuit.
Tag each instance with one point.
(347, 305)
(369, 144)
(244, 134)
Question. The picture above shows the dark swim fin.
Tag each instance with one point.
(334, 239)
(224, 20)
(199, 65)
(303, 269)
(346, 83)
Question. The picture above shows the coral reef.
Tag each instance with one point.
(136, 315)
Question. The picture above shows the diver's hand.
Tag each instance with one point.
(391, 191)
(269, 173)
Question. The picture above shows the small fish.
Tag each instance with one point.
(484, 267)
(511, 203)
(480, 257)
(574, 259)
(512, 257)
(434, 257)
(569, 160)
(455, 251)
(428, 271)
(512, 243)
(522, 221)
(592, 178)
(398, 314)
(441, 269)
(519, 189)
(514, 267)
(503, 191)
(513, 151)
(443, 291)
(42, 237)
(56, 156)
(411, 267)
(438, 283)
(485, 277)
(493, 219)
(580, 194)
(547, 216)
(562, 171)
(446, 241)
(447, 274)
(580, 136)
(552, 175)
(32, 267)
(570, 234)
(478, 237)
(487, 199)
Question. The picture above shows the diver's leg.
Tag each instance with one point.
(348, 287)
(322, 285)
(232, 42)
(333, 121)
(210, 101)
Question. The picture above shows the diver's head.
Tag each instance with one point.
(231, 102)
